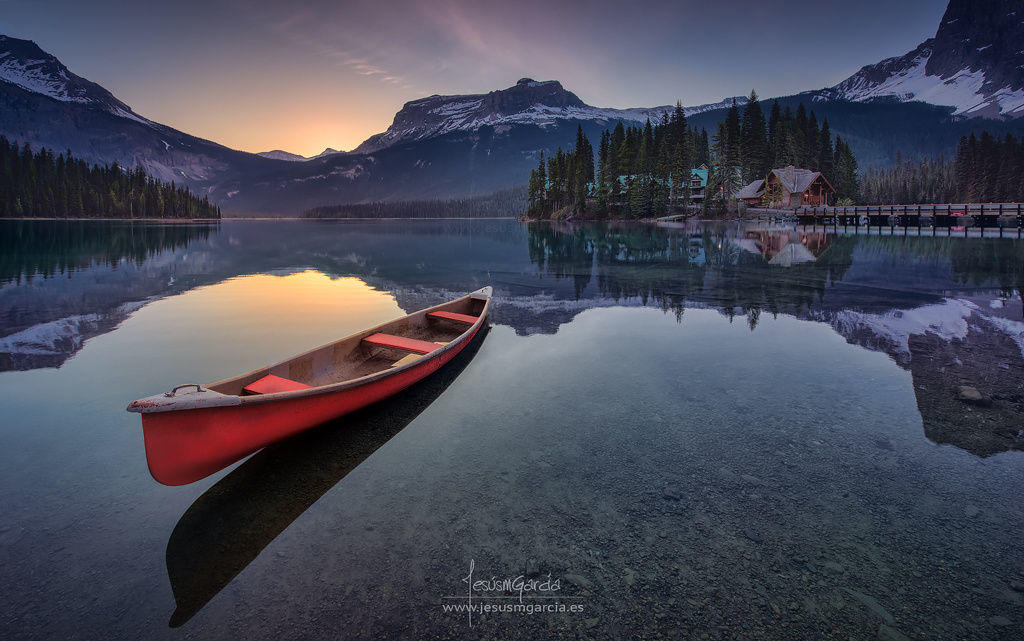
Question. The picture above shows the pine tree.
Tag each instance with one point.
(846, 185)
(775, 136)
(45, 184)
(753, 141)
(826, 154)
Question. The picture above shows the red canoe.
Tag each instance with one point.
(194, 431)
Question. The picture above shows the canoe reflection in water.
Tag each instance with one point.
(232, 522)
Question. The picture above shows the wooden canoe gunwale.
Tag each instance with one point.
(237, 400)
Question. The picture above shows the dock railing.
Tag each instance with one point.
(948, 216)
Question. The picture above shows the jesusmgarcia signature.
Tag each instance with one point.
(518, 594)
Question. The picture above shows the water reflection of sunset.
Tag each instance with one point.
(264, 317)
(296, 298)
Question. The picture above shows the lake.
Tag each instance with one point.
(717, 431)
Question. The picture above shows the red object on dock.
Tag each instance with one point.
(193, 433)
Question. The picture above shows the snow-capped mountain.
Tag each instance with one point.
(24, 64)
(44, 104)
(475, 144)
(975, 64)
(528, 102)
(279, 154)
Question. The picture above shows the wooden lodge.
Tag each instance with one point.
(698, 184)
(788, 188)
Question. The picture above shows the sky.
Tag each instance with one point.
(308, 74)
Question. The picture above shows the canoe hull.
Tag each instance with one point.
(187, 445)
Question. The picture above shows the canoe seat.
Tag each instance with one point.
(409, 358)
(462, 318)
(271, 384)
(401, 342)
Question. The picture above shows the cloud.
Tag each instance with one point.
(319, 31)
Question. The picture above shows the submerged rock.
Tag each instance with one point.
(532, 567)
(579, 581)
(672, 492)
(872, 605)
(970, 394)
(885, 633)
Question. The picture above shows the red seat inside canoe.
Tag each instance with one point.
(462, 318)
(400, 342)
(271, 384)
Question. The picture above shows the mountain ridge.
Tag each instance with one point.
(974, 63)
(474, 144)
(528, 102)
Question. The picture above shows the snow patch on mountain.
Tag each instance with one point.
(963, 90)
(278, 154)
(25, 65)
(541, 104)
(973, 64)
(30, 75)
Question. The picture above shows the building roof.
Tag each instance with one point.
(795, 180)
(753, 190)
(792, 254)
(702, 173)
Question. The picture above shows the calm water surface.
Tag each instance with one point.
(719, 432)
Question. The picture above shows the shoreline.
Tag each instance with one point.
(249, 218)
(126, 220)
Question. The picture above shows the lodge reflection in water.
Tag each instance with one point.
(807, 275)
(227, 527)
(544, 275)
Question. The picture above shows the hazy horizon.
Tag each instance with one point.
(316, 74)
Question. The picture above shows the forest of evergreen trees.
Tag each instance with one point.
(643, 172)
(42, 185)
(985, 170)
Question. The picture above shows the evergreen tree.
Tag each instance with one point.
(775, 137)
(846, 185)
(826, 154)
(753, 141)
(42, 184)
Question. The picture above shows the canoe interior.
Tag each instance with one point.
(351, 357)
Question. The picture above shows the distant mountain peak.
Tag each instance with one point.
(975, 63)
(280, 154)
(24, 64)
(540, 103)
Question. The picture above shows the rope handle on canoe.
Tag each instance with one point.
(174, 391)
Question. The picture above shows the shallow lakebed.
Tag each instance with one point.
(699, 431)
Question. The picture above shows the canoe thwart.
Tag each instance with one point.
(408, 358)
(271, 384)
(401, 342)
(462, 318)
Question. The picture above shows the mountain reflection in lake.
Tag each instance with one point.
(728, 430)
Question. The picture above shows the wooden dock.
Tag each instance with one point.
(997, 219)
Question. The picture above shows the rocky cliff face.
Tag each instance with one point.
(975, 64)
(985, 36)
(528, 102)
(44, 104)
(24, 64)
